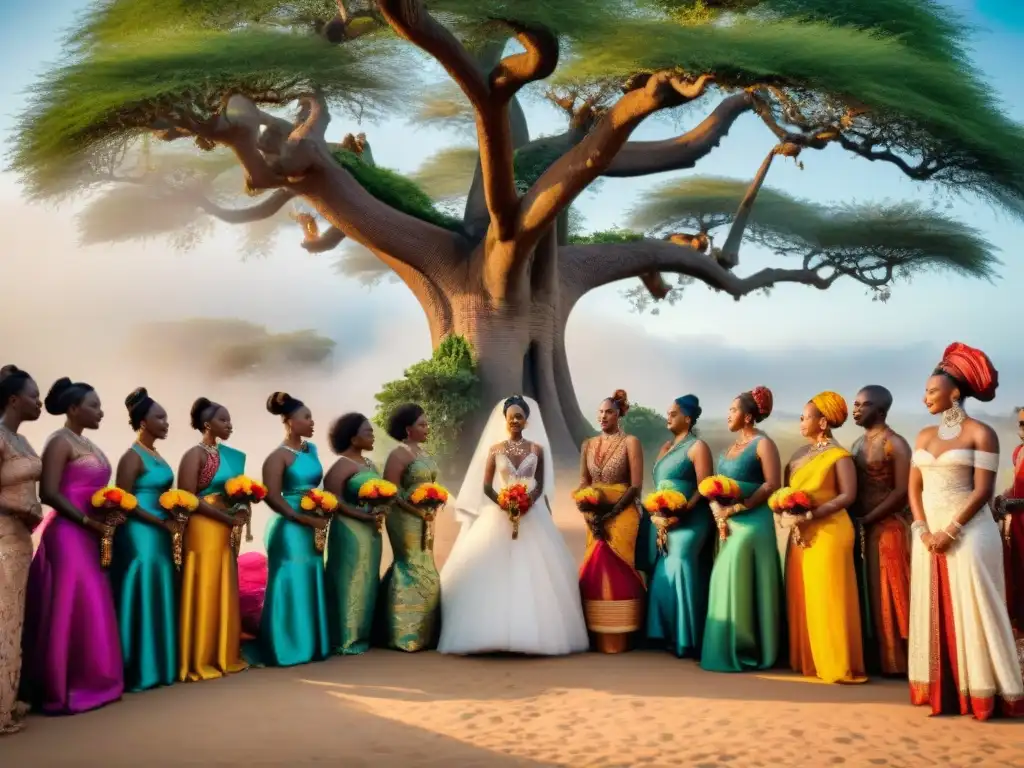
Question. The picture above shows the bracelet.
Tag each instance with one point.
(956, 525)
(809, 516)
(952, 536)
(919, 525)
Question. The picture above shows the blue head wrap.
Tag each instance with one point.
(689, 405)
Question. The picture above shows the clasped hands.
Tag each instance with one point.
(939, 542)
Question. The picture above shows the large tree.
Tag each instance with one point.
(886, 80)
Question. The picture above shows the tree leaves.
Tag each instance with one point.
(447, 174)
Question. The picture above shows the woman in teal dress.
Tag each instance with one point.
(678, 593)
(745, 616)
(142, 568)
(411, 588)
(354, 544)
(293, 629)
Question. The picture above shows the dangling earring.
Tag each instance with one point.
(952, 421)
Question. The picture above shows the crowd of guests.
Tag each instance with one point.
(905, 562)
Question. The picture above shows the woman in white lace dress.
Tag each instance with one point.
(505, 595)
(962, 656)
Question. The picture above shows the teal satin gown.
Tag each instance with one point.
(677, 597)
(745, 614)
(143, 579)
(353, 573)
(293, 628)
(411, 588)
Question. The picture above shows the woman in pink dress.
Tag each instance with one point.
(71, 645)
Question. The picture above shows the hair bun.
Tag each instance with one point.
(764, 400)
(53, 403)
(195, 414)
(621, 399)
(278, 402)
(137, 396)
(9, 370)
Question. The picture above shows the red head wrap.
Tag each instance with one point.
(763, 400)
(972, 368)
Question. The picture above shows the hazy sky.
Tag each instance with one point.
(73, 303)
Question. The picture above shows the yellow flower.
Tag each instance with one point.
(429, 492)
(169, 499)
(307, 504)
(129, 502)
(188, 501)
(328, 502)
(666, 499)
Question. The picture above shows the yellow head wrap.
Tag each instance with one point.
(832, 406)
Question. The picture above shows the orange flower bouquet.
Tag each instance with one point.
(794, 503)
(323, 504)
(515, 500)
(114, 502)
(179, 504)
(431, 497)
(587, 499)
(724, 491)
(664, 506)
(242, 491)
(378, 494)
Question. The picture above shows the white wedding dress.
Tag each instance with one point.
(969, 580)
(500, 595)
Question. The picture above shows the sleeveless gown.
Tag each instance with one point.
(614, 593)
(745, 615)
(511, 596)
(822, 600)
(143, 578)
(680, 578)
(210, 624)
(71, 648)
(354, 550)
(293, 627)
(1013, 535)
(411, 588)
(962, 657)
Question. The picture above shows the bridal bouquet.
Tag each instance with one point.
(587, 499)
(724, 491)
(664, 506)
(515, 500)
(378, 493)
(243, 491)
(792, 503)
(179, 504)
(114, 502)
(323, 504)
(431, 497)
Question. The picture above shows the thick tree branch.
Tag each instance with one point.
(560, 184)
(411, 20)
(313, 240)
(587, 267)
(537, 62)
(729, 255)
(641, 158)
(258, 212)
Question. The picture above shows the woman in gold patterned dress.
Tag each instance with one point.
(411, 589)
(613, 591)
(20, 513)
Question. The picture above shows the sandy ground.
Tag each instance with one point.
(637, 709)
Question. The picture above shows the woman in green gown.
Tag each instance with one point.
(293, 628)
(354, 543)
(745, 615)
(142, 568)
(411, 588)
(677, 600)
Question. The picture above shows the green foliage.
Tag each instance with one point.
(607, 236)
(446, 386)
(531, 161)
(904, 235)
(647, 426)
(920, 101)
(118, 91)
(448, 174)
(395, 190)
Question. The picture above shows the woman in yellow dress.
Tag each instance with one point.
(613, 591)
(211, 627)
(821, 584)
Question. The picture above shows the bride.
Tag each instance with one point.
(505, 595)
